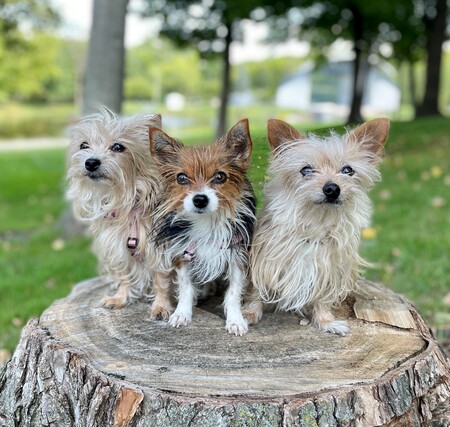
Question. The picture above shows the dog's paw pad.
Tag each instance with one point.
(179, 319)
(236, 328)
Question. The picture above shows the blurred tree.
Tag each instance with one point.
(157, 68)
(37, 54)
(211, 26)
(265, 76)
(106, 57)
(435, 17)
(408, 47)
(70, 62)
(20, 52)
(18, 15)
(367, 24)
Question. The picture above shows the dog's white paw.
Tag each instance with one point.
(338, 327)
(237, 328)
(179, 319)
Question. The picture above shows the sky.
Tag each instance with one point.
(77, 18)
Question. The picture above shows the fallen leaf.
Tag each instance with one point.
(16, 321)
(437, 202)
(425, 175)
(396, 252)
(58, 244)
(436, 171)
(369, 233)
(385, 194)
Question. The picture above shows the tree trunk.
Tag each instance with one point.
(435, 29)
(83, 365)
(412, 86)
(360, 67)
(225, 89)
(106, 57)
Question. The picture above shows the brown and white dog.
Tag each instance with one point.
(205, 219)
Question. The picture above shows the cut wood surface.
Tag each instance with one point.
(81, 364)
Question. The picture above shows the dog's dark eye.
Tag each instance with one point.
(118, 148)
(84, 146)
(347, 170)
(307, 170)
(219, 178)
(182, 179)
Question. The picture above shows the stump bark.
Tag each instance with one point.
(82, 365)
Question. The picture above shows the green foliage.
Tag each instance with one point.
(155, 69)
(201, 24)
(46, 68)
(19, 54)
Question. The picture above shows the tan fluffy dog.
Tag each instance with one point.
(304, 256)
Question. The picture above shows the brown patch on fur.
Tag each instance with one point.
(279, 132)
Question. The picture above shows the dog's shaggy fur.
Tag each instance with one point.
(305, 251)
(113, 184)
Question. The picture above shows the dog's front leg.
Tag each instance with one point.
(323, 319)
(235, 323)
(122, 296)
(162, 306)
(186, 296)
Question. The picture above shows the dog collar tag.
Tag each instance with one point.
(132, 242)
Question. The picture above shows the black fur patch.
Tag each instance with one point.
(247, 225)
(169, 229)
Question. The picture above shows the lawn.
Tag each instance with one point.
(408, 241)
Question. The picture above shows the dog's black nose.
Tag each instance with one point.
(92, 164)
(331, 191)
(200, 201)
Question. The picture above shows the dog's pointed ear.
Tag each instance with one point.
(163, 148)
(154, 120)
(238, 141)
(279, 132)
(372, 135)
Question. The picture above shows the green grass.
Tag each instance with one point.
(411, 215)
(37, 264)
(409, 248)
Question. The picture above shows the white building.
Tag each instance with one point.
(326, 91)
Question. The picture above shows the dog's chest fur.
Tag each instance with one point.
(207, 243)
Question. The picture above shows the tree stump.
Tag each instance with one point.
(83, 365)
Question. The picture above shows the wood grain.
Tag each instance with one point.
(86, 364)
